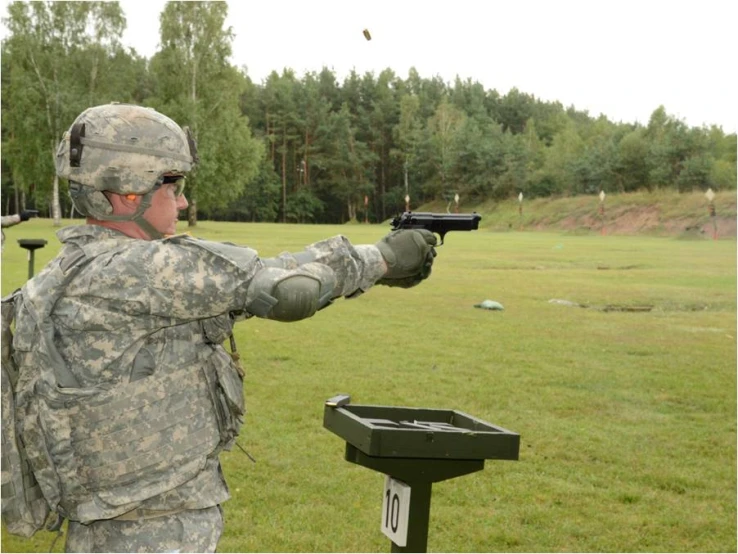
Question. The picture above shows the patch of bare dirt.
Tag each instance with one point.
(647, 220)
(635, 221)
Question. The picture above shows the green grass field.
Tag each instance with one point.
(627, 419)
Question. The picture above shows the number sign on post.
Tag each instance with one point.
(395, 510)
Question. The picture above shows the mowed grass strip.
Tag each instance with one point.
(627, 418)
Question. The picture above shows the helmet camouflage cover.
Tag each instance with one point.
(124, 148)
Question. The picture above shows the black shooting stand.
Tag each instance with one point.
(417, 447)
(31, 245)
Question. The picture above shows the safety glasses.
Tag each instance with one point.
(177, 180)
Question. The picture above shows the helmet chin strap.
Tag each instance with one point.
(137, 217)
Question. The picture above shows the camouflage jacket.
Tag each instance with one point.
(138, 328)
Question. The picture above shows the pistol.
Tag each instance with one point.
(439, 224)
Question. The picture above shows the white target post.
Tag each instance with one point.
(710, 195)
(520, 209)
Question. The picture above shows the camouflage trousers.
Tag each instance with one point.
(186, 531)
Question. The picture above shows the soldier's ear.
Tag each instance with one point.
(123, 203)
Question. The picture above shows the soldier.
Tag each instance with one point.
(124, 394)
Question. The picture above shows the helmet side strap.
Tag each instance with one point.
(76, 144)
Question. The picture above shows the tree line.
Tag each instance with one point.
(310, 148)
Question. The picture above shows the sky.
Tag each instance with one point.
(619, 58)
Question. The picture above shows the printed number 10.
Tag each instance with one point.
(395, 510)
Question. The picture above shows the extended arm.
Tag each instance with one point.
(25, 215)
(10, 220)
(185, 278)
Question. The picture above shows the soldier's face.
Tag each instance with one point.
(165, 207)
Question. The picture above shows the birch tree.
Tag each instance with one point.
(197, 87)
(53, 77)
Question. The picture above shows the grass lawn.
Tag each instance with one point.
(627, 418)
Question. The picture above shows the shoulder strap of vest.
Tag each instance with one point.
(70, 266)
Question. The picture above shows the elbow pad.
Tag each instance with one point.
(290, 297)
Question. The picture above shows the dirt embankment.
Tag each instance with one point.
(660, 214)
(648, 220)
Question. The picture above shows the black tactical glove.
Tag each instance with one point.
(409, 256)
(25, 215)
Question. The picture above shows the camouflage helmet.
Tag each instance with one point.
(124, 148)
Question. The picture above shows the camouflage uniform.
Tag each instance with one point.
(135, 327)
(185, 531)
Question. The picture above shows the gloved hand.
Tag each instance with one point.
(25, 215)
(409, 256)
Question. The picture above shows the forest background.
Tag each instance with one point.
(308, 148)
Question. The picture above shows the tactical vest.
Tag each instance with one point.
(98, 452)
